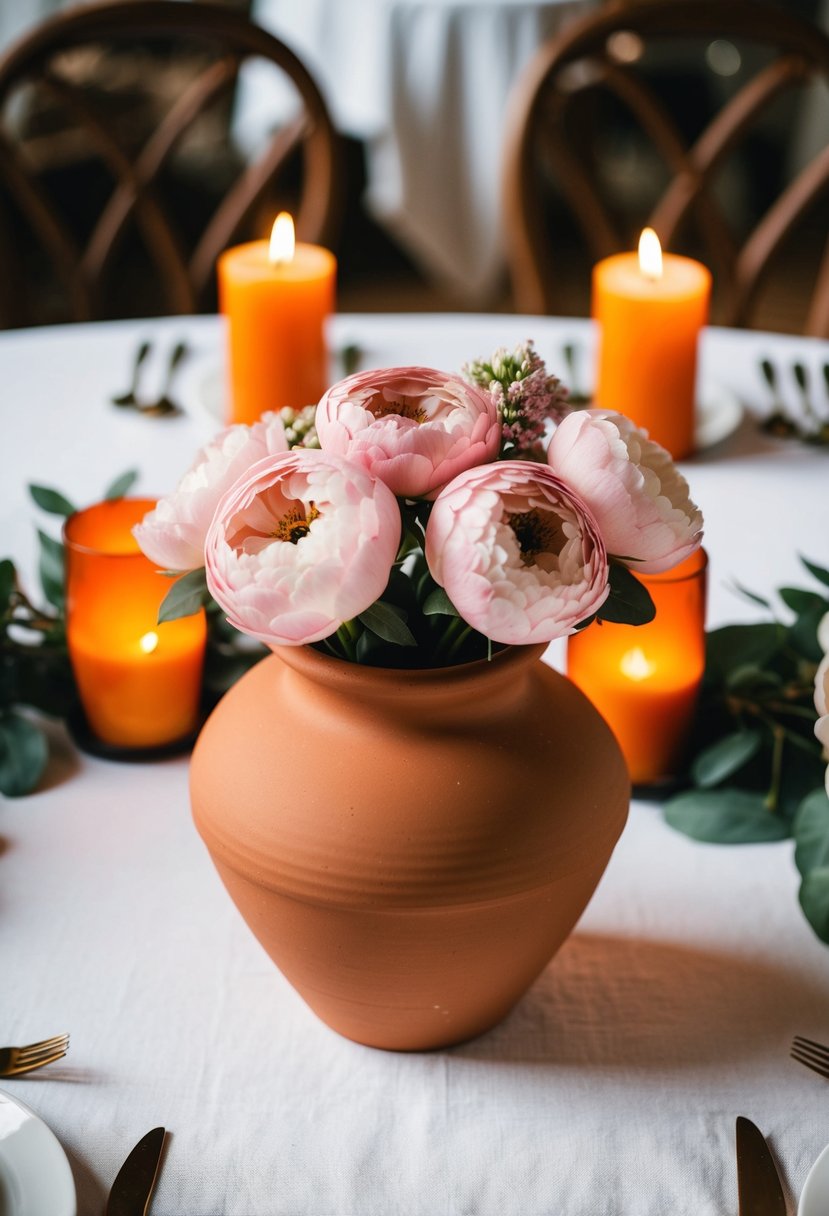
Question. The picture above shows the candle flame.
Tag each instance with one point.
(282, 239)
(650, 254)
(149, 642)
(635, 665)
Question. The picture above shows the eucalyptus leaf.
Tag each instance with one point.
(735, 646)
(814, 900)
(186, 596)
(725, 757)
(24, 753)
(51, 500)
(386, 621)
(8, 578)
(121, 486)
(751, 595)
(800, 600)
(811, 832)
(752, 679)
(819, 572)
(51, 569)
(438, 603)
(724, 816)
(802, 633)
(629, 602)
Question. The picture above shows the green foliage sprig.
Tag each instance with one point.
(757, 772)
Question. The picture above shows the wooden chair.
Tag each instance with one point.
(604, 61)
(300, 168)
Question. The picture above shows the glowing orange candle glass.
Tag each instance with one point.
(139, 682)
(276, 297)
(649, 309)
(645, 679)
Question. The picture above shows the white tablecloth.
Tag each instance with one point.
(613, 1087)
(424, 83)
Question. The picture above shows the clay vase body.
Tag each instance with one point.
(410, 847)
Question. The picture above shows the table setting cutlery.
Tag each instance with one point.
(162, 406)
(14, 1061)
(758, 1183)
(813, 426)
(133, 1186)
(811, 1054)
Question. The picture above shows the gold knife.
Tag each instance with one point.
(758, 1183)
(133, 1185)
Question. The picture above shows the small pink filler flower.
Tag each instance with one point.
(638, 497)
(517, 552)
(413, 427)
(173, 533)
(302, 543)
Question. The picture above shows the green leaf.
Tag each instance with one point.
(801, 601)
(386, 621)
(187, 595)
(438, 603)
(751, 595)
(121, 486)
(629, 602)
(8, 579)
(814, 900)
(724, 816)
(725, 757)
(735, 646)
(752, 679)
(821, 574)
(811, 832)
(51, 569)
(802, 634)
(23, 755)
(51, 501)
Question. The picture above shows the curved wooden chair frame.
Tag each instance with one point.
(186, 276)
(582, 60)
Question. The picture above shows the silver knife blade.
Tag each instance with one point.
(133, 1185)
(758, 1183)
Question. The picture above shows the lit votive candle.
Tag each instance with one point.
(649, 309)
(645, 679)
(139, 682)
(276, 296)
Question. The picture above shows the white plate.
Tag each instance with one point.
(719, 411)
(815, 1198)
(35, 1177)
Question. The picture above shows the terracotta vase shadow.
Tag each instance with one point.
(411, 848)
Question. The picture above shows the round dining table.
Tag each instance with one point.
(613, 1086)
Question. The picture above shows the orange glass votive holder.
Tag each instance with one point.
(139, 682)
(645, 679)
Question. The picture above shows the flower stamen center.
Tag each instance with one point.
(296, 523)
(536, 532)
(406, 407)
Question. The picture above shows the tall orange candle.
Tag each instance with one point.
(276, 296)
(645, 679)
(139, 682)
(649, 310)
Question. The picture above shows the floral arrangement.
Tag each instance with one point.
(759, 756)
(416, 517)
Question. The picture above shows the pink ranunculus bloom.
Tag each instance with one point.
(413, 427)
(638, 497)
(517, 552)
(300, 544)
(173, 533)
(822, 691)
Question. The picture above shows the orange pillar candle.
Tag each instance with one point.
(276, 296)
(649, 310)
(645, 679)
(139, 682)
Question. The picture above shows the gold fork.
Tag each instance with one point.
(813, 1055)
(17, 1060)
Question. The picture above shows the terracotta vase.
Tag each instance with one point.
(410, 847)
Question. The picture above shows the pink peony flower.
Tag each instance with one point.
(413, 427)
(822, 691)
(517, 552)
(638, 497)
(300, 544)
(173, 533)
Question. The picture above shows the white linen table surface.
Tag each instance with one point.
(424, 84)
(613, 1087)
